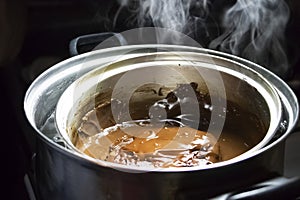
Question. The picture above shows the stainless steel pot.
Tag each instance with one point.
(63, 173)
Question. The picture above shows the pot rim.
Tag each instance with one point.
(290, 106)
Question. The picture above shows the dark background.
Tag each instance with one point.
(35, 34)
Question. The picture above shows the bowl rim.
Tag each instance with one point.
(71, 65)
(241, 157)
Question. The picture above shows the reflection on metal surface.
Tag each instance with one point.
(28, 185)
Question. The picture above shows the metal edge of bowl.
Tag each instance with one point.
(62, 127)
(288, 97)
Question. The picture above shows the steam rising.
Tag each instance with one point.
(171, 14)
(255, 30)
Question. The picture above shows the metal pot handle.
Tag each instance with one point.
(275, 188)
(89, 42)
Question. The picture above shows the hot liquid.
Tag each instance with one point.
(152, 146)
(168, 142)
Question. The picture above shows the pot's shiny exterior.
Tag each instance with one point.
(62, 174)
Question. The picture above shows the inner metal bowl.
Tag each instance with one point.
(186, 67)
